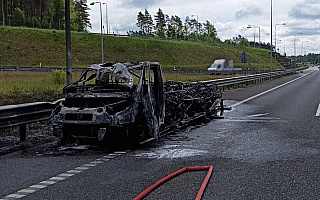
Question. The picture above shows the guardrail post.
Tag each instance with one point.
(23, 132)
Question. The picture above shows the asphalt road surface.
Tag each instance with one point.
(266, 147)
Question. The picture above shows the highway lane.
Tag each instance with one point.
(265, 148)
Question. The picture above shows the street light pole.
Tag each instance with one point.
(254, 38)
(294, 46)
(107, 23)
(101, 29)
(271, 37)
(302, 47)
(305, 50)
(253, 26)
(275, 40)
(284, 46)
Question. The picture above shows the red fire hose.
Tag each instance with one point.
(202, 188)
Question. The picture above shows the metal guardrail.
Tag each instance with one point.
(34, 69)
(49, 69)
(226, 72)
(22, 114)
(248, 79)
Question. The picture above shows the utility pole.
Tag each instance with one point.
(68, 42)
(107, 23)
(271, 36)
(275, 41)
(101, 30)
(253, 26)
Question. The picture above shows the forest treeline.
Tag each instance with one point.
(162, 25)
(46, 14)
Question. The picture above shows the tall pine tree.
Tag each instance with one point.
(161, 23)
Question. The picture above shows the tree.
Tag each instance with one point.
(140, 23)
(82, 16)
(244, 42)
(148, 22)
(45, 13)
(145, 23)
(161, 23)
(187, 26)
(229, 42)
(241, 40)
(210, 30)
(17, 18)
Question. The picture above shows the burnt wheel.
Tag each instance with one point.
(66, 135)
(138, 131)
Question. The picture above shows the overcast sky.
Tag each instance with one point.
(230, 17)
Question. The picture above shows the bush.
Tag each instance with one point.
(59, 77)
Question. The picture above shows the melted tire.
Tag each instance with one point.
(138, 131)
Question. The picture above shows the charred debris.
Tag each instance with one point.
(130, 99)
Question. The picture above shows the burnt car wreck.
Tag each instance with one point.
(129, 99)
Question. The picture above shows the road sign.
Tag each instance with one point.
(244, 58)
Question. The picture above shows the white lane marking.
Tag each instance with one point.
(96, 162)
(28, 191)
(65, 175)
(16, 196)
(38, 186)
(102, 159)
(265, 92)
(74, 171)
(109, 157)
(113, 154)
(82, 168)
(318, 111)
(56, 178)
(259, 115)
(47, 182)
(120, 152)
(89, 165)
(51, 181)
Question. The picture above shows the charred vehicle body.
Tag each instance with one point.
(129, 99)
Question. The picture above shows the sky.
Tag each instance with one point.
(230, 17)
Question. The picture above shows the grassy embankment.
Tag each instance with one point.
(30, 47)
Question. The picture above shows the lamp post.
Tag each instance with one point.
(107, 23)
(294, 42)
(275, 39)
(101, 29)
(254, 38)
(197, 25)
(271, 49)
(253, 26)
(284, 46)
(294, 46)
(305, 50)
(302, 47)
